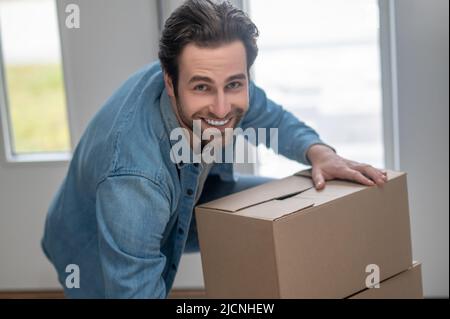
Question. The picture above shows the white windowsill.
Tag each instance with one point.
(39, 158)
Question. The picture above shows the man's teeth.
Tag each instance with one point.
(216, 123)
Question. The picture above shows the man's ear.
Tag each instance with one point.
(169, 85)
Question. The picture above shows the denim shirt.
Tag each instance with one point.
(123, 211)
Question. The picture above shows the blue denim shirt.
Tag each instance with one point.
(123, 212)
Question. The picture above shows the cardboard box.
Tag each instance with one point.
(406, 285)
(284, 239)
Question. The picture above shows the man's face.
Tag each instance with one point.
(212, 86)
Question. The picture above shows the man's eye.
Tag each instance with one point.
(234, 85)
(201, 88)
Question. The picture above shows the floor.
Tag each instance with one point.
(58, 294)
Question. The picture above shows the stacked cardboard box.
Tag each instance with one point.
(285, 239)
(406, 285)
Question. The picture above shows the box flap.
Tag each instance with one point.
(390, 174)
(336, 188)
(393, 174)
(263, 193)
(304, 173)
(277, 208)
(333, 190)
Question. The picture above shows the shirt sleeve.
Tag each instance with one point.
(132, 213)
(294, 136)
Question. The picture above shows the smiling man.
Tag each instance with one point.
(124, 213)
(212, 89)
(211, 76)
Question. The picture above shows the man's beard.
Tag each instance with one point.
(236, 115)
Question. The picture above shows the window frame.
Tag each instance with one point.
(389, 84)
(7, 154)
(390, 119)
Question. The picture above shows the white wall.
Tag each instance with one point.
(422, 54)
(115, 39)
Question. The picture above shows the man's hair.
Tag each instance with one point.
(205, 23)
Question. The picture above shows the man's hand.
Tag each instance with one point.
(327, 165)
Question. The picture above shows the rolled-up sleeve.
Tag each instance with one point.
(294, 136)
(132, 213)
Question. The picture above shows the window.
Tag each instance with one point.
(320, 60)
(33, 102)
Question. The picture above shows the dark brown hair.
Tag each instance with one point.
(205, 23)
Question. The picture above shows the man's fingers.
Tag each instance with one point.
(357, 176)
(318, 179)
(374, 174)
(371, 172)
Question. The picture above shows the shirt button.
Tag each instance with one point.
(190, 191)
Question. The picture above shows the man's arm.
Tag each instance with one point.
(294, 136)
(300, 142)
(132, 213)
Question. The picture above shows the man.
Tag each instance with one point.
(124, 213)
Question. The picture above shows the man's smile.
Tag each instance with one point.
(217, 122)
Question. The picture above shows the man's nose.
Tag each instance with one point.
(221, 107)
